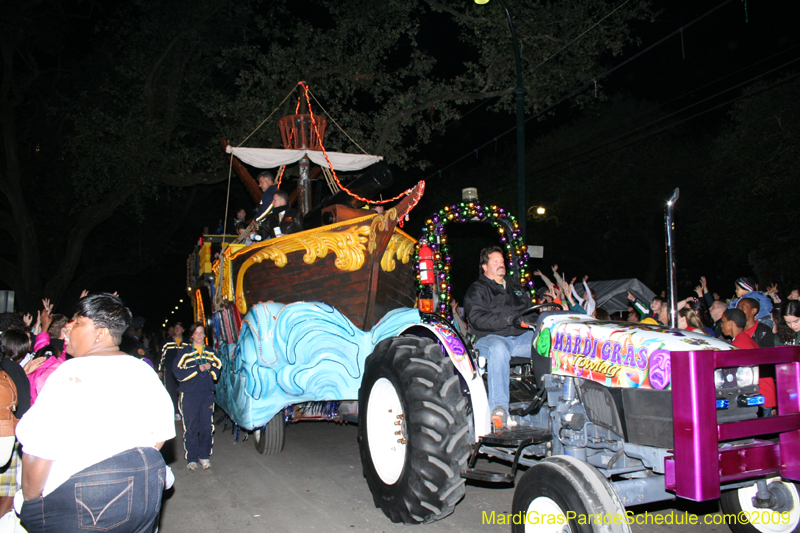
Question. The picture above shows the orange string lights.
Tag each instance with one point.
(333, 171)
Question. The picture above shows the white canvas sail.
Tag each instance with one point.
(276, 157)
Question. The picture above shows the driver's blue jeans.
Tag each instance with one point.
(498, 352)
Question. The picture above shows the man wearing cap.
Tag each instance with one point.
(748, 288)
(168, 353)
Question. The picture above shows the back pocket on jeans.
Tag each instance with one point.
(104, 505)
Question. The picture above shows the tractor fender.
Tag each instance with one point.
(451, 344)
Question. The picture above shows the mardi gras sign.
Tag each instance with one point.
(616, 354)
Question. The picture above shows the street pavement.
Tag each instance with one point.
(316, 484)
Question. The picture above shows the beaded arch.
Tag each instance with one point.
(434, 234)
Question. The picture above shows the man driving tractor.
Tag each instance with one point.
(492, 304)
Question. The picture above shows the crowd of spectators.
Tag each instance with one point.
(750, 318)
(766, 317)
(31, 353)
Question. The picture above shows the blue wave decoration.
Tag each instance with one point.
(301, 352)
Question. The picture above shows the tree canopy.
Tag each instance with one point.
(395, 73)
(605, 177)
(111, 111)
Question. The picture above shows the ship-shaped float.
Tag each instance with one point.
(356, 261)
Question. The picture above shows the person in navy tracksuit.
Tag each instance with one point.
(197, 368)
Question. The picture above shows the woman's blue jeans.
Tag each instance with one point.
(119, 494)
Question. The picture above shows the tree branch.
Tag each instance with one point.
(198, 178)
(157, 64)
(129, 266)
(10, 274)
(8, 224)
(438, 6)
(394, 119)
(86, 222)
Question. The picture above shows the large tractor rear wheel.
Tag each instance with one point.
(413, 430)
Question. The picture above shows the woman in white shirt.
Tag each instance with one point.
(91, 442)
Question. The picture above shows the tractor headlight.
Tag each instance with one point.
(746, 376)
(735, 377)
(719, 379)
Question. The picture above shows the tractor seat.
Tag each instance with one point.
(520, 361)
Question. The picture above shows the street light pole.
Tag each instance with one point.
(519, 94)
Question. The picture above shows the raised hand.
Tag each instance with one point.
(585, 278)
(46, 319)
(84, 294)
(772, 289)
(28, 319)
(772, 292)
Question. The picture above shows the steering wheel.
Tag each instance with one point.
(531, 309)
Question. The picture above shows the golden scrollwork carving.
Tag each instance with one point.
(224, 290)
(348, 245)
(380, 223)
(401, 247)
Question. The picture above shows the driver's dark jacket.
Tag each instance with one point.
(489, 307)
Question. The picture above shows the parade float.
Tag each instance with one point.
(350, 321)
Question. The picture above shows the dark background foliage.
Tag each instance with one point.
(111, 115)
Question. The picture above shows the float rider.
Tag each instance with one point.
(266, 182)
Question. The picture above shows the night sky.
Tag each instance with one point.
(689, 74)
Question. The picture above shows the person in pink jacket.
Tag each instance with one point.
(38, 377)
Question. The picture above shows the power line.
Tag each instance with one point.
(665, 128)
(678, 98)
(581, 88)
(665, 117)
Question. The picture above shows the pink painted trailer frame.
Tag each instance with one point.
(701, 460)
